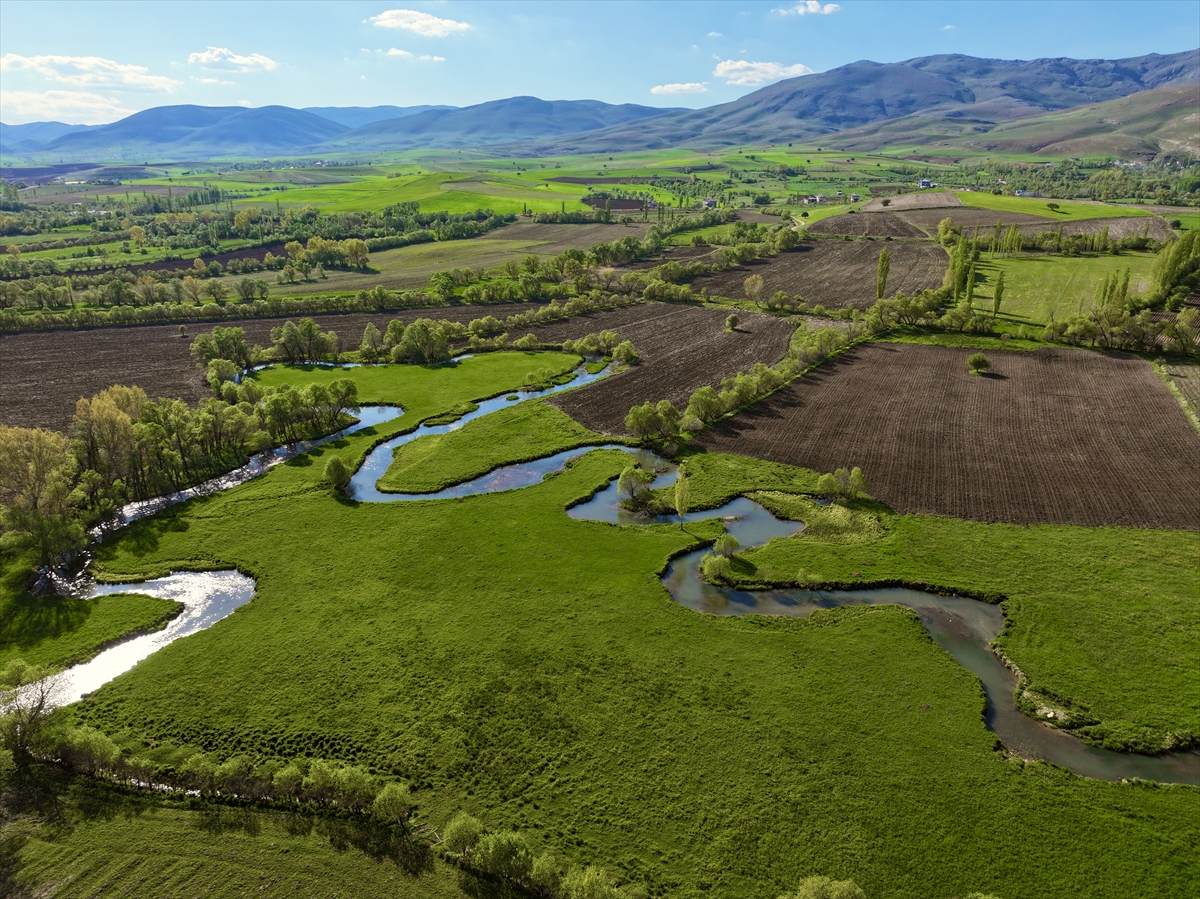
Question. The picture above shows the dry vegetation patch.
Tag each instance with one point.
(866, 224)
(1048, 437)
(680, 347)
(927, 200)
(836, 273)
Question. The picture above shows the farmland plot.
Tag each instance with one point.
(45, 372)
(1152, 226)
(1049, 437)
(836, 274)
(968, 218)
(866, 224)
(925, 200)
(681, 348)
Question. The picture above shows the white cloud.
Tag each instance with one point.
(421, 23)
(74, 107)
(394, 52)
(89, 71)
(683, 87)
(212, 81)
(433, 58)
(224, 59)
(948, 28)
(245, 103)
(810, 7)
(715, 34)
(738, 71)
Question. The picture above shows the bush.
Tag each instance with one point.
(337, 474)
(824, 888)
(462, 833)
(977, 363)
(393, 804)
(731, 322)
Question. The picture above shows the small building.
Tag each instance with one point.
(709, 203)
(924, 183)
(854, 198)
(820, 198)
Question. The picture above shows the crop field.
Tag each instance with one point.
(969, 218)
(681, 348)
(553, 239)
(836, 274)
(923, 200)
(866, 224)
(1118, 227)
(1051, 436)
(1066, 211)
(47, 371)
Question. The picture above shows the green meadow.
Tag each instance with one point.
(529, 668)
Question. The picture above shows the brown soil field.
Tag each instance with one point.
(866, 224)
(564, 237)
(45, 372)
(1186, 378)
(967, 217)
(1118, 228)
(926, 200)
(674, 254)
(758, 218)
(1048, 437)
(681, 348)
(836, 273)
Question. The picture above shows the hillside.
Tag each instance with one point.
(866, 92)
(357, 116)
(497, 121)
(193, 131)
(33, 136)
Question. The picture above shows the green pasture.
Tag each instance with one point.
(1038, 289)
(1066, 212)
(531, 669)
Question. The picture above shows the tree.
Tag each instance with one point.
(371, 343)
(29, 698)
(682, 494)
(394, 334)
(843, 484)
(505, 855)
(461, 835)
(970, 299)
(247, 288)
(726, 545)
(337, 474)
(977, 363)
(881, 273)
(393, 804)
(215, 290)
(38, 504)
(634, 483)
(998, 295)
(223, 343)
(424, 342)
(356, 252)
(731, 322)
(623, 353)
(137, 234)
(191, 287)
(754, 286)
(704, 405)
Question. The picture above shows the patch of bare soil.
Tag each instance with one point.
(935, 199)
(866, 224)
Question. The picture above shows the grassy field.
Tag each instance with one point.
(1038, 289)
(1066, 212)
(531, 669)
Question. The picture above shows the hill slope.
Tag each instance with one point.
(357, 116)
(498, 121)
(191, 131)
(33, 136)
(864, 92)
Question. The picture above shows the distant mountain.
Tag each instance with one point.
(33, 136)
(498, 121)
(357, 116)
(1161, 121)
(865, 92)
(191, 132)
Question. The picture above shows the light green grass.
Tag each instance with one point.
(519, 433)
(1066, 212)
(1038, 288)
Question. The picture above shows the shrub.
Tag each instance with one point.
(731, 322)
(977, 363)
(824, 888)
(337, 474)
(393, 804)
(462, 833)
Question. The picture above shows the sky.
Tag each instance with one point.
(90, 62)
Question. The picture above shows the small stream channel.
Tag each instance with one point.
(963, 627)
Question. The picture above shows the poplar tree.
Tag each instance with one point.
(881, 274)
(998, 296)
(682, 495)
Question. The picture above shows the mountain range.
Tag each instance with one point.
(947, 100)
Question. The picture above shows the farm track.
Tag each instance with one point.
(1049, 437)
(45, 372)
(836, 273)
(681, 348)
(866, 224)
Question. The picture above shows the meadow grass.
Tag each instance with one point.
(530, 668)
(1039, 289)
(1066, 212)
(519, 433)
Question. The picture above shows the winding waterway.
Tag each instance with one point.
(963, 627)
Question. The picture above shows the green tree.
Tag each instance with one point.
(215, 290)
(634, 483)
(726, 545)
(337, 474)
(504, 855)
(731, 322)
(393, 804)
(824, 888)
(753, 287)
(977, 363)
(881, 273)
(38, 502)
(223, 343)
(970, 299)
(29, 698)
(461, 834)
(372, 343)
(424, 342)
(682, 494)
(998, 295)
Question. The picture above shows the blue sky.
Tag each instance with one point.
(90, 62)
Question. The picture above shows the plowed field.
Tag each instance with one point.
(866, 224)
(1132, 226)
(926, 200)
(681, 348)
(1050, 437)
(969, 218)
(45, 372)
(836, 273)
